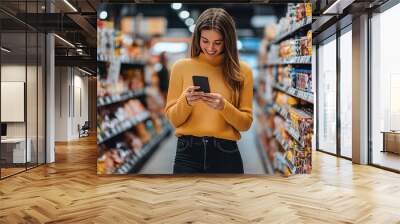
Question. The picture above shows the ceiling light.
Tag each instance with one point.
(184, 14)
(70, 5)
(191, 28)
(176, 6)
(5, 50)
(171, 47)
(103, 15)
(337, 7)
(189, 21)
(65, 41)
(79, 50)
(84, 71)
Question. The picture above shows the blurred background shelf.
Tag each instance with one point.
(117, 98)
(121, 127)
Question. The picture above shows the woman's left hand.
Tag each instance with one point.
(214, 100)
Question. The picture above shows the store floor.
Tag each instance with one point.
(69, 191)
(162, 160)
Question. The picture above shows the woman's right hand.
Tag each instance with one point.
(191, 95)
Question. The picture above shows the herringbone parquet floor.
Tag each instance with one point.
(70, 192)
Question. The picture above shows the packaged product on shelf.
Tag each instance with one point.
(300, 12)
(142, 133)
(113, 71)
(301, 79)
(133, 141)
(301, 121)
(157, 123)
(127, 25)
(154, 101)
(309, 37)
(112, 117)
(105, 40)
(133, 107)
(308, 7)
(304, 50)
(150, 128)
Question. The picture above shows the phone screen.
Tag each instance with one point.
(201, 81)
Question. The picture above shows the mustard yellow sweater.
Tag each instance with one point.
(199, 119)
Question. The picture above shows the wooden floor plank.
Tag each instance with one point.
(69, 191)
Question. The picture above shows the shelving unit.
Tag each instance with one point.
(125, 91)
(281, 111)
(290, 64)
(122, 127)
(306, 96)
(281, 141)
(295, 134)
(292, 60)
(118, 98)
(134, 162)
(303, 24)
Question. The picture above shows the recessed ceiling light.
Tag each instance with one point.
(184, 14)
(70, 5)
(191, 28)
(103, 15)
(64, 40)
(189, 21)
(84, 71)
(176, 6)
(5, 50)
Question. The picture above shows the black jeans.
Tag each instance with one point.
(207, 155)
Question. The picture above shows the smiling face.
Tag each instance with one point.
(211, 43)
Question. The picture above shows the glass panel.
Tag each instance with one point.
(31, 85)
(31, 97)
(41, 99)
(13, 86)
(346, 94)
(327, 96)
(385, 84)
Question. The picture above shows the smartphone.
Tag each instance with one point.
(201, 81)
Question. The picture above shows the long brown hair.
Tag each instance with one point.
(219, 20)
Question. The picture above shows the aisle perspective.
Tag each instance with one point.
(142, 46)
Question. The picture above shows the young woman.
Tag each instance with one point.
(208, 124)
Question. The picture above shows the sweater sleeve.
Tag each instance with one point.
(177, 110)
(242, 116)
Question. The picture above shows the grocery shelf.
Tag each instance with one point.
(134, 62)
(124, 96)
(107, 58)
(122, 127)
(104, 58)
(292, 31)
(283, 112)
(281, 141)
(301, 60)
(135, 161)
(295, 134)
(306, 96)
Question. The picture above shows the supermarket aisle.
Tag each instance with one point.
(162, 160)
(251, 158)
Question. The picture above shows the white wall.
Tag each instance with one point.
(71, 93)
